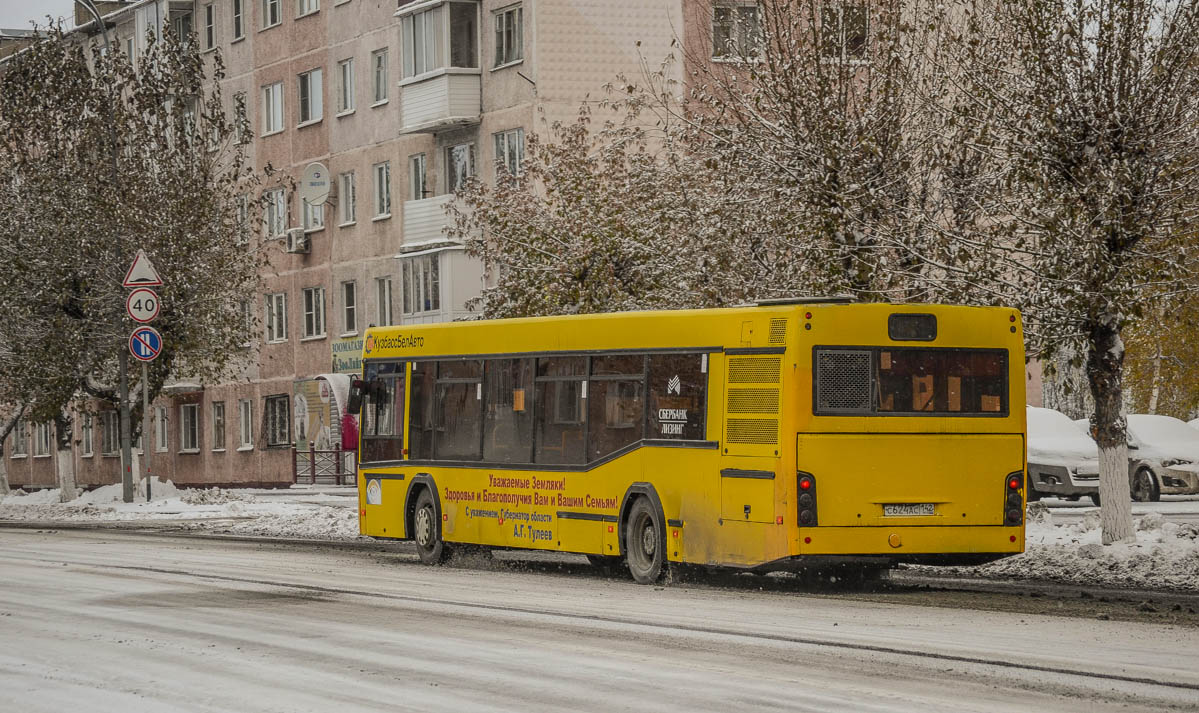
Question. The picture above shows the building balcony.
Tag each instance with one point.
(425, 222)
(440, 99)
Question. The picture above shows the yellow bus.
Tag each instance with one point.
(783, 435)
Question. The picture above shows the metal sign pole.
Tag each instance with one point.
(146, 435)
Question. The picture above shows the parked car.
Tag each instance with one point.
(1194, 424)
(1163, 457)
(1062, 461)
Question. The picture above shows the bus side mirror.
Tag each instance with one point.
(357, 389)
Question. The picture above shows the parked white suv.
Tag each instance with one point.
(1163, 457)
(1062, 461)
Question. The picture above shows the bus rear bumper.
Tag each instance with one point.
(914, 545)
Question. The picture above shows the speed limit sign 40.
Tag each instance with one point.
(142, 305)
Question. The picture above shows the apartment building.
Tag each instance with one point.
(400, 103)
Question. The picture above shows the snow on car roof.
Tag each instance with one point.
(1052, 437)
(1153, 429)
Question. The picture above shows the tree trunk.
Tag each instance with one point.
(6, 428)
(1155, 386)
(4, 489)
(64, 458)
(1105, 361)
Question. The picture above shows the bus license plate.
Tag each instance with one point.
(907, 509)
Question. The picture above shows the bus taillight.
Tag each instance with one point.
(807, 500)
(1014, 503)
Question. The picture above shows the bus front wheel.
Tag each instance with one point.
(425, 531)
(644, 550)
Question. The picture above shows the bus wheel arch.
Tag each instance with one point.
(422, 520)
(642, 534)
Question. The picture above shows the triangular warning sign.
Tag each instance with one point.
(141, 272)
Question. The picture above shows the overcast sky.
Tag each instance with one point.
(16, 14)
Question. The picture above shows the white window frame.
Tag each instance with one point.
(304, 8)
(209, 27)
(418, 176)
(243, 218)
(422, 36)
(110, 434)
(379, 73)
(218, 425)
(347, 198)
(20, 439)
(310, 97)
(277, 420)
(743, 35)
(276, 317)
(247, 321)
(510, 151)
(85, 436)
(41, 440)
(314, 312)
(349, 307)
(274, 212)
(272, 13)
(509, 36)
(238, 17)
(838, 9)
(383, 297)
(314, 216)
(272, 108)
(161, 436)
(420, 279)
(345, 87)
(245, 424)
(189, 428)
(452, 180)
(382, 176)
(131, 50)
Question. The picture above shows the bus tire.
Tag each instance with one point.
(645, 551)
(426, 531)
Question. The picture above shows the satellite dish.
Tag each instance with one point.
(314, 186)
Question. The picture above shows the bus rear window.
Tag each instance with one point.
(911, 381)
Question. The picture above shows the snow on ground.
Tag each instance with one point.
(1164, 556)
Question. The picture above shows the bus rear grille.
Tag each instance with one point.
(753, 401)
(843, 380)
(778, 331)
(754, 370)
(753, 430)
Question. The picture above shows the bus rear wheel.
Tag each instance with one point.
(645, 552)
(425, 531)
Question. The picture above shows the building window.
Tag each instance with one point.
(243, 219)
(276, 317)
(460, 165)
(41, 439)
(843, 31)
(421, 284)
(314, 311)
(509, 36)
(416, 176)
(347, 199)
(383, 189)
(247, 321)
(271, 14)
(160, 429)
(379, 66)
(383, 293)
(131, 50)
(736, 31)
(110, 435)
(209, 26)
(424, 40)
(314, 215)
(278, 421)
(239, 25)
(181, 25)
(245, 423)
(311, 108)
(274, 213)
(420, 32)
(20, 438)
(345, 86)
(349, 307)
(189, 428)
(86, 445)
(307, 7)
(510, 151)
(218, 425)
(272, 108)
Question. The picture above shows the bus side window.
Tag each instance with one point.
(508, 411)
(383, 413)
(459, 410)
(559, 410)
(678, 386)
(420, 405)
(615, 403)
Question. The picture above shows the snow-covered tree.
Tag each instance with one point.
(1084, 118)
(100, 158)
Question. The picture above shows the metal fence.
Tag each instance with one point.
(332, 467)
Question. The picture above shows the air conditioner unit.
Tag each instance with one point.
(297, 241)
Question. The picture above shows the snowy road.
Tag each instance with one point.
(107, 621)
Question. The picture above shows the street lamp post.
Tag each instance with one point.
(122, 356)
